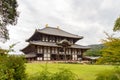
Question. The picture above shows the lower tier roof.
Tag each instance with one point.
(30, 55)
(55, 45)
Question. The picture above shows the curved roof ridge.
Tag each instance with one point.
(58, 32)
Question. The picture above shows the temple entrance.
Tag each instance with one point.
(60, 57)
(68, 57)
(54, 57)
(39, 57)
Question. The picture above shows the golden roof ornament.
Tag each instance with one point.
(58, 27)
(46, 25)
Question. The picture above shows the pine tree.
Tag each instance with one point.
(117, 25)
(8, 15)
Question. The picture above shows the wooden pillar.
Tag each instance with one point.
(48, 38)
(58, 54)
(82, 53)
(77, 53)
(71, 53)
(51, 38)
(43, 53)
(65, 53)
(55, 39)
(50, 53)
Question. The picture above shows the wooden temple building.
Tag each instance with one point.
(54, 44)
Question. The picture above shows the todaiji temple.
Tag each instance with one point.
(54, 44)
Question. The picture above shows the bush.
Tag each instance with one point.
(12, 68)
(109, 75)
(63, 74)
(3, 68)
(44, 75)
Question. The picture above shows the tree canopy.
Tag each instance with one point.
(3, 51)
(8, 15)
(117, 25)
(111, 51)
(95, 50)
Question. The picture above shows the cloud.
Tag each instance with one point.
(82, 17)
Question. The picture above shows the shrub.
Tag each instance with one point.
(63, 74)
(44, 75)
(3, 68)
(109, 75)
(12, 68)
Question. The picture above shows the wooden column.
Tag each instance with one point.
(82, 53)
(71, 54)
(77, 53)
(58, 54)
(43, 53)
(65, 53)
(50, 53)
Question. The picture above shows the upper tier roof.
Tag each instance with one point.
(57, 32)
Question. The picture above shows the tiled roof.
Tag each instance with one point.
(30, 55)
(55, 45)
(57, 32)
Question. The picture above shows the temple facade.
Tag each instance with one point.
(53, 44)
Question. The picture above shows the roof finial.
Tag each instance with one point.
(46, 25)
(58, 27)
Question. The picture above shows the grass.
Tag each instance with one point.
(85, 72)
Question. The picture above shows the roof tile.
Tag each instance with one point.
(57, 32)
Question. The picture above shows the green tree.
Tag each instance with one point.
(113, 74)
(8, 15)
(95, 50)
(12, 67)
(117, 25)
(111, 51)
(3, 51)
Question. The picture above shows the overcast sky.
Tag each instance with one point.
(88, 18)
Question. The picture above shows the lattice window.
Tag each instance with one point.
(69, 51)
(47, 38)
(45, 50)
(48, 49)
(38, 49)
